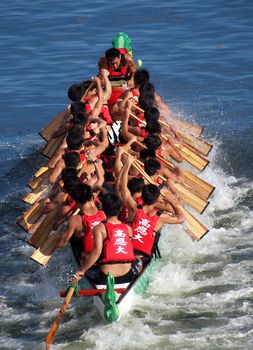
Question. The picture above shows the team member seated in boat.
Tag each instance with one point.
(118, 104)
(74, 109)
(174, 173)
(91, 96)
(81, 225)
(113, 247)
(146, 219)
(153, 168)
(70, 159)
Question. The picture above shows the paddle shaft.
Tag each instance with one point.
(51, 334)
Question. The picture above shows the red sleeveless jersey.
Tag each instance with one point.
(118, 247)
(89, 222)
(115, 96)
(143, 231)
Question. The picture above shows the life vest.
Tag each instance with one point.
(143, 231)
(89, 222)
(105, 115)
(116, 93)
(118, 247)
(144, 132)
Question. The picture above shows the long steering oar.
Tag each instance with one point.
(51, 334)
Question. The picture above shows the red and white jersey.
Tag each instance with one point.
(143, 231)
(118, 247)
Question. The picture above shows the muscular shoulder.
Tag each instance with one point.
(130, 61)
(75, 222)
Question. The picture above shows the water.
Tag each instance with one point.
(200, 58)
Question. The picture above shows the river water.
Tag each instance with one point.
(199, 55)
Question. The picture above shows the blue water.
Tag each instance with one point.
(199, 55)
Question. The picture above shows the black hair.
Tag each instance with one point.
(147, 89)
(152, 166)
(75, 92)
(146, 101)
(151, 114)
(76, 107)
(70, 182)
(111, 54)
(78, 129)
(147, 153)
(135, 185)
(111, 204)
(141, 76)
(74, 141)
(80, 118)
(71, 159)
(82, 193)
(86, 84)
(153, 127)
(150, 194)
(153, 142)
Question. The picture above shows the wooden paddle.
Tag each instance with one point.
(203, 188)
(45, 250)
(186, 127)
(195, 143)
(195, 228)
(188, 196)
(52, 146)
(42, 170)
(40, 236)
(32, 215)
(36, 195)
(51, 334)
(47, 132)
(196, 160)
(40, 180)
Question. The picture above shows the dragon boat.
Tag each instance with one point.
(113, 300)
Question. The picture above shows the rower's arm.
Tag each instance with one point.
(68, 233)
(127, 198)
(56, 157)
(100, 174)
(57, 171)
(177, 218)
(103, 144)
(97, 108)
(124, 126)
(118, 164)
(102, 64)
(96, 252)
(108, 87)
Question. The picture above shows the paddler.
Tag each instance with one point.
(113, 248)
